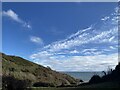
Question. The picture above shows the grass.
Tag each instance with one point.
(22, 69)
(99, 86)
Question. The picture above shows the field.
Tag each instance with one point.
(108, 85)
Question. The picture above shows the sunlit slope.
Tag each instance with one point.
(22, 69)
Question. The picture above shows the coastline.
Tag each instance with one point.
(85, 76)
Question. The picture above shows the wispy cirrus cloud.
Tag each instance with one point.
(85, 49)
(14, 16)
(109, 36)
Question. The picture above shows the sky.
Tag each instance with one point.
(73, 36)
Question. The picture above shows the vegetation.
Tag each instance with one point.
(110, 75)
(10, 83)
(110, 79)
(95, 79)
(20, 74)
(17, 70)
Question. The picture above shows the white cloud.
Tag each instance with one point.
(27, 25)
(74, 51)
(80, 63)
(93, 49)
(111, 38)
(112, 47)
(37, 40)
(11, 14)
(80, 39)
(107, 36)
(91, 44)
(106, 33)
(80, 32)
(105, 18)
(92, 52)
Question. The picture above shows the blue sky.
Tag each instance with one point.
(65, 36)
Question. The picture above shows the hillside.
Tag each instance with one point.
(109, 76)
(17, 70)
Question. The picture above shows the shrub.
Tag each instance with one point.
(95, 79)
(42, 84)
(11, 83)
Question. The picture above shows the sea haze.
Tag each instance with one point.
(85, 76)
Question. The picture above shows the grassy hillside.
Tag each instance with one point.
(20, 73)
(20, 70)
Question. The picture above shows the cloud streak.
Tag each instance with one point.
(37, 40)
(84, 50)
(14, 16)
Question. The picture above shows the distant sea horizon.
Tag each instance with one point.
(85, 76)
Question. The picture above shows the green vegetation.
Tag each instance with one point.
(20, 74)
(98, 86)
(109, 76)
(17, 70)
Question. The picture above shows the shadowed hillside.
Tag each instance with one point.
(110, 75)
(20, 73)
(110, 79)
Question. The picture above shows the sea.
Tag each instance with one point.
(85, 76)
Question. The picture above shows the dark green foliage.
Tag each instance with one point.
(81, 81)
(95, 79)
(110, 75)
(43, 84)
(10, 83)
(113, 75)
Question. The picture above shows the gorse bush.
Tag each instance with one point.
(11, 83)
